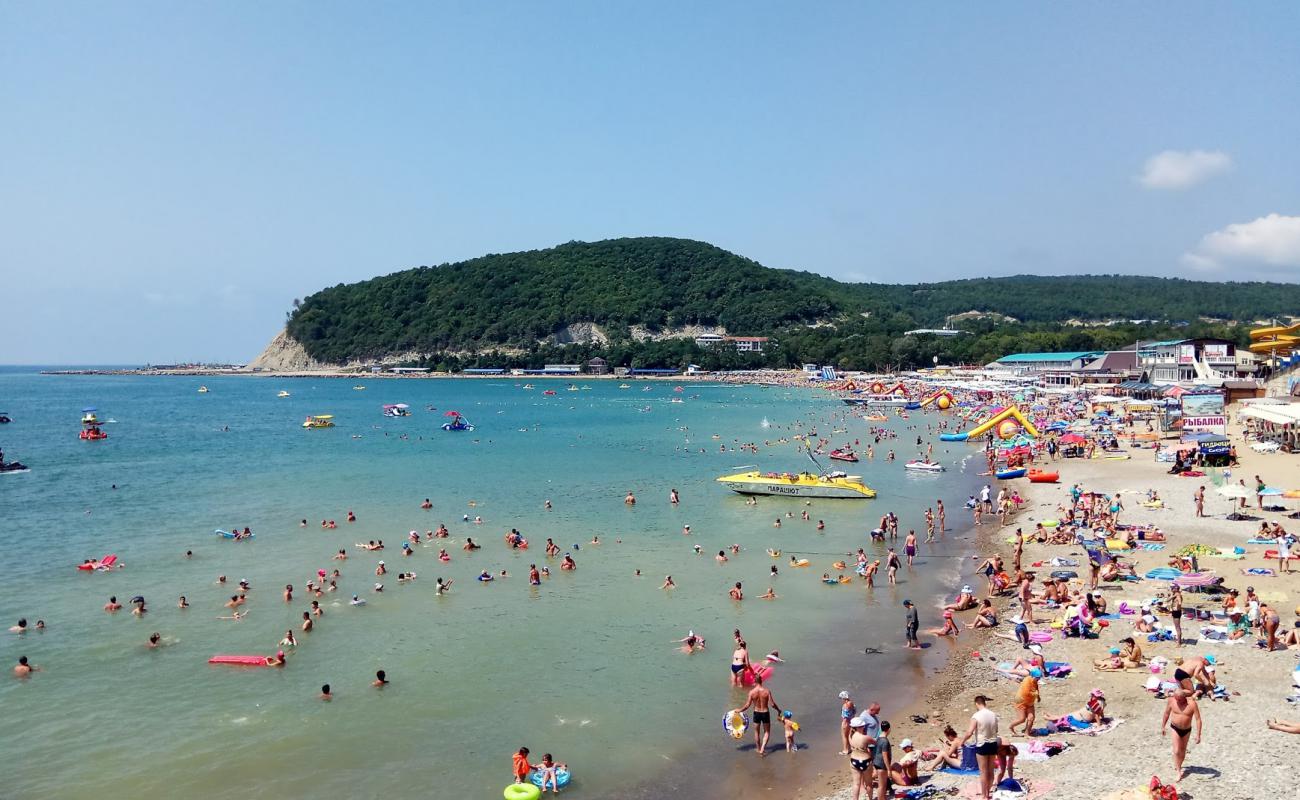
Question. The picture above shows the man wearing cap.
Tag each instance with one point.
(913, 624)
(903, 771)
(1196, 674)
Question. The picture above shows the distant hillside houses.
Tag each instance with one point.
(742, 344)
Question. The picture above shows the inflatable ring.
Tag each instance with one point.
(562, 778)
(522, 791)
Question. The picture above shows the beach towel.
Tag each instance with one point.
(1261, 571)
(1261, 541)
(1163, 574)
(1153, 547)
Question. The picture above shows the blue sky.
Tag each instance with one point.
(173, 175)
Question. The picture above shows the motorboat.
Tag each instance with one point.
(203, 390)
(677, 400)
(282, 393)
(844, 455)
(800, 484)
(528, 386)
(4, 418)
(358, 388)
(319, 421)
(397, 410)
(549, 392)
(624, 386)
(923, 466)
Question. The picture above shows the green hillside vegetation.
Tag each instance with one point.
(500, 308)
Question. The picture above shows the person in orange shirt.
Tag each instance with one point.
(1026, 699)
(521, 765)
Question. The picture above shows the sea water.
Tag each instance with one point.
(583, 666)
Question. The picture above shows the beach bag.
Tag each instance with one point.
(968, 761)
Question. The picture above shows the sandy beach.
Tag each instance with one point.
(1239, 757)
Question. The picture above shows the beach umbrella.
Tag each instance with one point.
(1073, 438)
(452, 414)
(1233, 491)
(401, 405)
(1195, 580)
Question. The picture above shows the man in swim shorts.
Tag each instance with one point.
(763, 702)
(1180, 711)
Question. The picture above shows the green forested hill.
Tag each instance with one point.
(514, 300)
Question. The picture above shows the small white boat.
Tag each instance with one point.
(923, 466)
(203, 390)
(282, 393)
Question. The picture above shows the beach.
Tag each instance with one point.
(1238, 757)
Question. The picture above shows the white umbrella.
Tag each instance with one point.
(1233, 491)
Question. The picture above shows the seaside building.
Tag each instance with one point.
(1033, 363)
(598, 366)
(742, 344)
(1185, 360)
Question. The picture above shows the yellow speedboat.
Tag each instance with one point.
(798, 484)
(319, 421)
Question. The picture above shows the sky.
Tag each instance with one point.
(174, 175)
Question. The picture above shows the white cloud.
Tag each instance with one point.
(1181, 169)
(1272, 241)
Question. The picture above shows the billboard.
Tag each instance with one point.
(1186, 353)
(1203, 413)
(1217, 353)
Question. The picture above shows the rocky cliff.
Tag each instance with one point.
(284, 354)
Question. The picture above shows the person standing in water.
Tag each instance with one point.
(761, 699)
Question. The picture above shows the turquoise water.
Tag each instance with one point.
(581, 666)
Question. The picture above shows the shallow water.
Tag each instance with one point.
(582, 666)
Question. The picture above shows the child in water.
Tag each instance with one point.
(787, 722)
(547, 769)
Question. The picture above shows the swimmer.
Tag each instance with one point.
(381, 569)
(23, 668)
(307, 623)
(381, 679)
(630, 500)
(721, 557)
(112, 605)
(427, 504)
(155, 639)
(568, 563)
(698, 550)
(288, 591)
(770, 594)
(470, 545)
(182, 602)
(316, 610)
(325, 693)
(736, 593)
(442, 587)
(668, 583)
(276, 660)
(686, 530)
(485, 577)
(236, 616)
(356, 601)
(288, 640)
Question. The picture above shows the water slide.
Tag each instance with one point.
(952, 401)
(992, 423)
(1279, 340)
(1010, 412)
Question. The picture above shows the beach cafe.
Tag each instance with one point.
(1272, 426)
